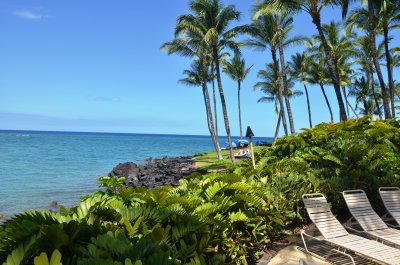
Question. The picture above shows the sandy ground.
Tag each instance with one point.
(291, 256)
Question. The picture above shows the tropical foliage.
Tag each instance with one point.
(212, 219)
(218, 218)
(339, 55)
(361, 154)
(228, 218)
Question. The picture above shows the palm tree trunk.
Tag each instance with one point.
(326, 100)
(240, 113)
(386, 109)
(308, 106)
(335, 79)
(284, 79)
(348, 104)
(278, 125)
(223, 103)
(347, 101)
(389, 70)
(210, 121)
(365, 102)
(276, 65)
(214, 99)
(284, 123)
(372, 86)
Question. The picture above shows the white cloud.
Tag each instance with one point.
(28, 15)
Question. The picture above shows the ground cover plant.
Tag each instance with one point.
(216, 218)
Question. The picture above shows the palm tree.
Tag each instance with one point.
(214, 96)
(347, 74)
(272, 31)
(361, 18)
(299, 69)
(283, 24)
(389, 14)
(198, 75)
(314, 8)
(341, 50)
(363, 57)
(360, 90)
(270, 86)
(263, 31)
(319, 75)
(236, 69)
(211, 20)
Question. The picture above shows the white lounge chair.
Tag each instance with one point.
(391, 199)
(372, 225)
(336, 235)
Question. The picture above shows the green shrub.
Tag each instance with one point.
(356, 154)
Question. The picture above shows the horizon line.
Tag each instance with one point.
(121, 133)
(92, 132)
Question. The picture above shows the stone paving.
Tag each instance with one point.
(291, 255)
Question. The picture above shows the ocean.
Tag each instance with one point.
(38, 168)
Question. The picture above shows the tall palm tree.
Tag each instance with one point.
(340, 50)
(236, 69)
(361, 91)
(347, 75)
(362, 54)
(369, 17)
(270, 86)
(299, 69)
(319, 75)
(389, 17)
(313, 8)
(199, 75)
(262, 32)
(211, 20)
(283, 23)
(214, 96)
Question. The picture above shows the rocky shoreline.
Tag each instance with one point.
(166, 171)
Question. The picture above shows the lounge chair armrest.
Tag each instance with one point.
(387, 217)
(344, 254)
(356, 231)
(361, 233)
(304, 234)
(392, 226)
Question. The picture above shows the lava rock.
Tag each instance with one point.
(128, 169)
(155, 172)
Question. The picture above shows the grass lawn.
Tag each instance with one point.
(209, 162)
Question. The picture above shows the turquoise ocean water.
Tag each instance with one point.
(37, 168)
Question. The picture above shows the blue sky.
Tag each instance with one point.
(97, 66)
